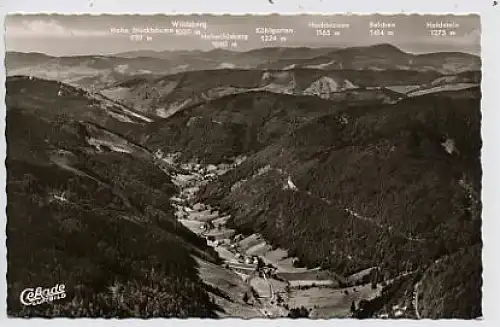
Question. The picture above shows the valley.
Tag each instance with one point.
(268, 275)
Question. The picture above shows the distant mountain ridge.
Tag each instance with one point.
(386, 56)
(97, 71)
(163, 96)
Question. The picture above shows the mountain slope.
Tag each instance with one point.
(163, 96)
(85, 71)
(371, 186)
(94, 216)
(463, 81)
(55, 99)
(384, 56)
(232, 125)
(442, 289)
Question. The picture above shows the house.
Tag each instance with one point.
(61, 197)
(199, 206)
(291, 185)
(158, 154)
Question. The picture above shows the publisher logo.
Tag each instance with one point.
(39, 295)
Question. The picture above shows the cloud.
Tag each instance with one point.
(49, 28)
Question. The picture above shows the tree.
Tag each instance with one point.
(414, 139)
(301, 312)
(353, 308)
(374, 278)
(210, 225)
(260, 263)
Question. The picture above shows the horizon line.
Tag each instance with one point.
(111, 54)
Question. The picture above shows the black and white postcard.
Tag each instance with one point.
(244, 166)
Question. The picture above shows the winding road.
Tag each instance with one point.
(415, 299)
(369, 220)
(194, 179)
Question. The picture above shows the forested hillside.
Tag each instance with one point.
(97, 221)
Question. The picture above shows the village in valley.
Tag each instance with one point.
(268, 281)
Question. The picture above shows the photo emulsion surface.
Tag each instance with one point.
(248, 166)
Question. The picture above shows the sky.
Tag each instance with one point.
(66, 35)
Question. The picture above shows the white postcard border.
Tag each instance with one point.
(490, 21)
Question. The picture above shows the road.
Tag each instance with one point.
(270, 309)
(271, 291)
(369, 220)
(415, 299)
(191, 178)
